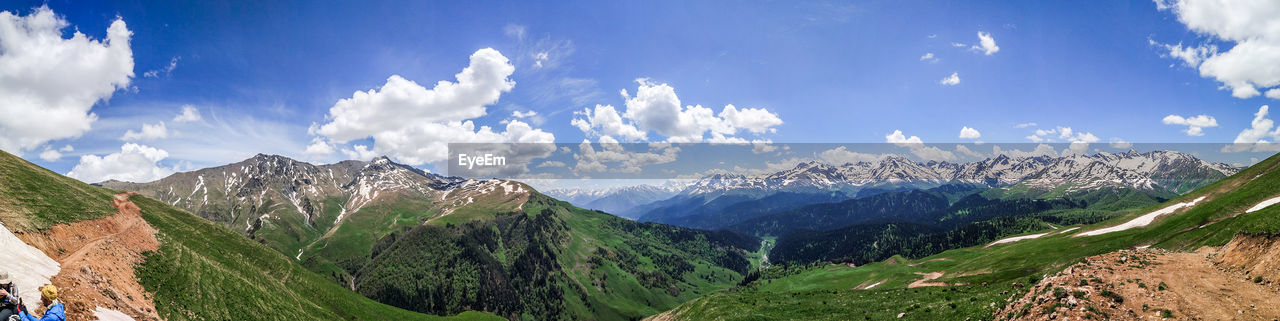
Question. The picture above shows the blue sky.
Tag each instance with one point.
(260, 75)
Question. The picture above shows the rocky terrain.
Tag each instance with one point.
(1236, 282)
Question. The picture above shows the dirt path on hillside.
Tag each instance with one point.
(1147, 284)
(98, 258)
(925, 280)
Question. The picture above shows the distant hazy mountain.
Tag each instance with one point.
(703, 204)
(621, 201)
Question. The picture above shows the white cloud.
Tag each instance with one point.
(414, 124)
(952, 80)
(539, 58)
(134, 163)
(932, 153)
(591, 160)
(519, 114)
(48, 83)
(986, 44)
(515, 31)
(319, 147)
(1116, 142)
(1024, 125)
(551, 164)
(900, 139)
(918, 148)
(1064, 133)
(962, 149)
(969, 133)
(1274, 93)
(762, 146)
(655, 107)
(189, 114)
(149, 132)
(928, 57)
(605, 120)
(841, 155)
(1195, 125)
(50, 154)
(360, 152)
(1255, 137)
(1191, 56)
(168, 69)
(1253, 27)
(1041, 150)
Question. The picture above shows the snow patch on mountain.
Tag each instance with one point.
(1143, 220)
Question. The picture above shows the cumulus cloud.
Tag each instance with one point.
(189, 114)
(964, 150)
(319, 147)
(841, 155)
(590, 159)
(969, 133)
(1255, 137)
(414, 124)
(656, 108)
(986, 44)
(49, 154)
(605, 120)
(1195, 125)
(1253, 27)
(1040, 150)
(952, 80)
(149, 132)
(900, 139)
(48, 83)
(1064, 133)
(917, 147)
(134, 163)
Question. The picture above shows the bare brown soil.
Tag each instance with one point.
(925, 280)
(1151, 284)
(98, 258)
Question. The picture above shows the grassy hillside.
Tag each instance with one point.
(33, 198)
(988, 274)
(552, 261)
(202, 271)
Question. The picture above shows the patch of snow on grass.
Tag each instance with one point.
(1017, 238)
(1142, 220)
(1263, 205)
(104, 314)
(28, 267)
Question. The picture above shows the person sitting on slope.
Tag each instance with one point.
(8, 297)
(53, 311)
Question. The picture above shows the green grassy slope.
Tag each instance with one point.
(35, 198)
(202, 271)
(552, 261)
(988, 273)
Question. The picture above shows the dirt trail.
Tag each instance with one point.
(925, 280)
(97, 258)
(1147, 284)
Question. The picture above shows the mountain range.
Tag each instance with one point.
(709, 202)
(443, 245)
